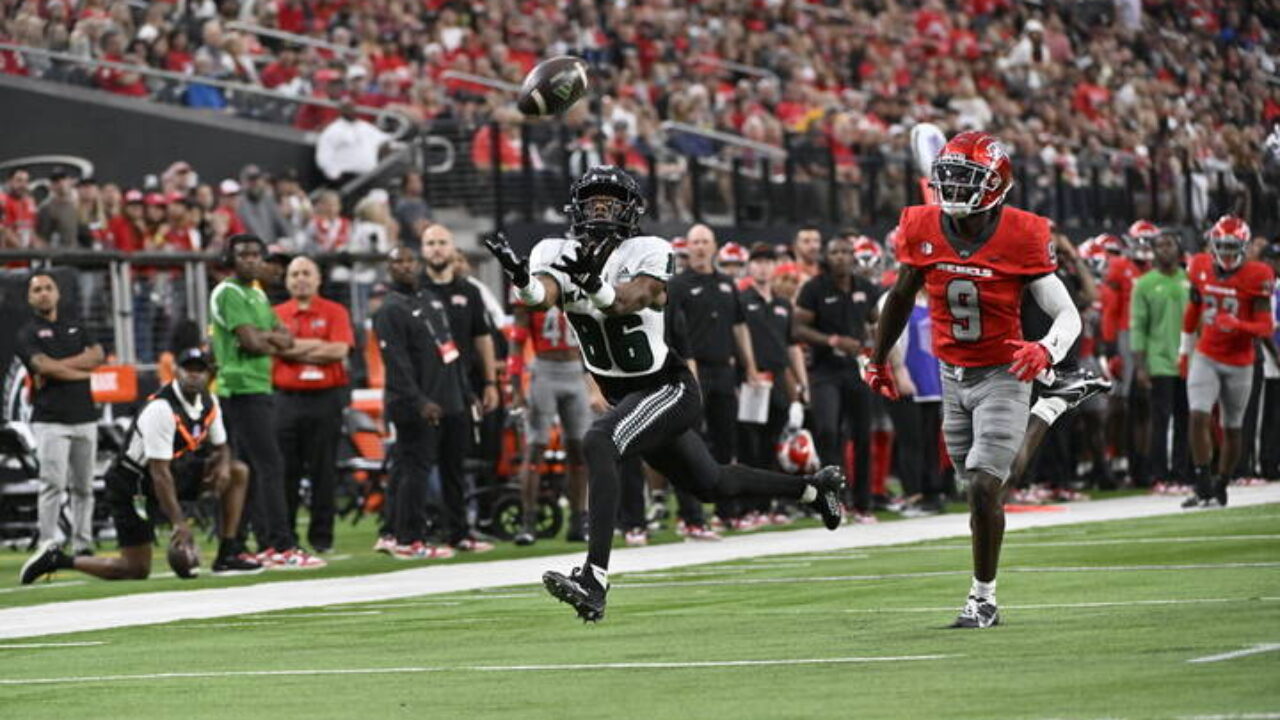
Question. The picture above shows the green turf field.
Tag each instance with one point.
(1101, 621)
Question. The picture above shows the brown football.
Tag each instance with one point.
(553, 86)
(184, 558)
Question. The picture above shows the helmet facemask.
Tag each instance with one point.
(1227, 251)
(959, 186)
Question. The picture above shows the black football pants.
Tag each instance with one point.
(841, 407)
(659, 424)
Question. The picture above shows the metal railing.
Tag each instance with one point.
(399, 124)
(289, 37)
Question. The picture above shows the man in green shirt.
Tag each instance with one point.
(1155, 323)
(246, 333)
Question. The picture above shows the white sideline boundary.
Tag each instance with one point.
(574, 667)
(1255, 650)
(163, 607)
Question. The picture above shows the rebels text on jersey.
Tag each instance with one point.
(975, 289)
(618, 346)
(1235, 293)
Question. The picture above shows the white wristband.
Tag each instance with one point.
(1187, 344)
(604, 297)
(533, 293)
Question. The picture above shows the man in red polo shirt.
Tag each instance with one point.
(311, 379)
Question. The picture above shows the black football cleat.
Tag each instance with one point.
(1075, 386)
(579, 590)
(829, 481)
(237, 564)
(525, 537)
(46, 559)
(1220, 491)
(978, 613)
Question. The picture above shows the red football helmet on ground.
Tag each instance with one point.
(797, 454)
(971, 174)
(1227, 240)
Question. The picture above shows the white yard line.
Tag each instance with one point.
(33, 646)
(942, 573)
(951, 608)
(191, 604)
(44, 586)
(575, 667)
(1255, 650)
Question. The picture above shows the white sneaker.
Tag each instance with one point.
(298, 559)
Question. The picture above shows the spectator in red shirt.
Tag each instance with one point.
(329, 231)
(284, 70)
(179, 57)
(228, 196)
(18, 212)
(180, 233)
(120, 82)
(127, 231)
(508, 141)
(329, 85)
(311, 379)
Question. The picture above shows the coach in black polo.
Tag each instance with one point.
(831, 316)
(60, 357)
(717, 336)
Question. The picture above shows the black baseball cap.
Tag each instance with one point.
(195, 357)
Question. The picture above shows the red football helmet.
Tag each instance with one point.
(1141, 236)
(1110, 243)
(867, 253)
(1227, 240)
(732, 253)
(971, 174)
(797, 454)
(1094, 253)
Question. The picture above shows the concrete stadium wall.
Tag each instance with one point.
(126, 138)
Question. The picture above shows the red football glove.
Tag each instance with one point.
(1184, 365)
(1029, 359)
(1115, 365)
(1226, 322)
(879, 377)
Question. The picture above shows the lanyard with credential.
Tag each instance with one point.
(445, 345)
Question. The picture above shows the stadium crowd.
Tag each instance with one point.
(1176, 90)
(1181, 92)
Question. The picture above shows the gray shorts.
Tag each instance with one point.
(984, 416)
(1120, 385)
(1209, 381)
(557, 389)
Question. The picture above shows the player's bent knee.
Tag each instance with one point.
(239, 472)
(985, 491)
(598, 446)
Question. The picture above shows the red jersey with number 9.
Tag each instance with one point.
(975, 289)
(1234, 293)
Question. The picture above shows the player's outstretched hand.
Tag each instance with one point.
(516, 267)
(1029, 359)
(584, 268)
(879, 377)
(1226, 322)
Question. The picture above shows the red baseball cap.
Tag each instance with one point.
(133, 196)
(155, 198)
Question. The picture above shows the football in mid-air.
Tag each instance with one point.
(553, 86)
(184, 558)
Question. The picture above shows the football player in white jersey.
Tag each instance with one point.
(611, 282)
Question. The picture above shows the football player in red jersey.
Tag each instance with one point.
(1130, 259)
(975, 256)
(557, 389)
(1230, 307)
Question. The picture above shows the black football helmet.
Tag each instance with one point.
(605, 205)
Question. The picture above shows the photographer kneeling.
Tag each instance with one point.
(177, 445)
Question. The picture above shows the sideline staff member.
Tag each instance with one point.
(425, 399)
(177, 444)
(246, 333)
(60, 358)
(311, 378)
